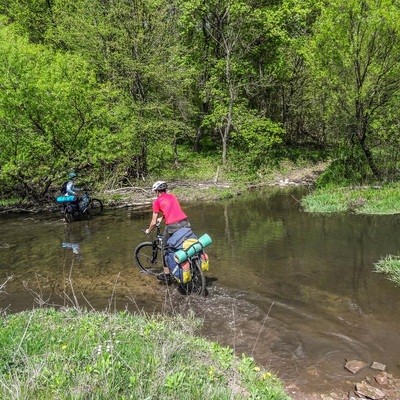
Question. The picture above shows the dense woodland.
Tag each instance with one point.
(120, 89)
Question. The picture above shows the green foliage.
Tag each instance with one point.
(12, 201)
(118, 88)
(255, 135)
(51, 109)
(101, 355)
(135, 48)
(325, 201)
(34, 17)
(347, 168)
(190, 165)
(353, 58)
(228, 56)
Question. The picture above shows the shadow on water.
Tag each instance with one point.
(297, 291)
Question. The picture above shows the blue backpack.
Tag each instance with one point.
(176, 242)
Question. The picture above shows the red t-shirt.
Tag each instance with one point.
(169, 206)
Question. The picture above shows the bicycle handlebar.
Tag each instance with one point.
(157, 225)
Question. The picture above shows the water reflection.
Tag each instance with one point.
(75, 235)
(74, 246)
(295, 290)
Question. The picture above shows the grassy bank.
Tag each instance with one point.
(383, 199)
(73, 354)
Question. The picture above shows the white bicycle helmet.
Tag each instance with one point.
(159, 185)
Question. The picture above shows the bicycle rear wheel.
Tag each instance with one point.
(95, 207)
(198, 283)
(148, 258)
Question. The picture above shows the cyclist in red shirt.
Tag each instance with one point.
(167, 205)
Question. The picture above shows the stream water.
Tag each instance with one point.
(296, 291)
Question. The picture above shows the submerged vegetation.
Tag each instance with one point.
(48, 354)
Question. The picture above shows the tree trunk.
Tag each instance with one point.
(362, 130)
(176, 160)
(369, 157)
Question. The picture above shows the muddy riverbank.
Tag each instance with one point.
(186, 190)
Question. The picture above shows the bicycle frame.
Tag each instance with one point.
(85, 198)
(158, 245)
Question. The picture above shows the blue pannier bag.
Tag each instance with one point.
(175, 243)
(66, 199)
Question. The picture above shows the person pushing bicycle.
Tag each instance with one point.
(168, 206)
(70, 189)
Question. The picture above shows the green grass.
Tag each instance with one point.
(74, 354)
(359, 200)
(390, 265)
(191, 165)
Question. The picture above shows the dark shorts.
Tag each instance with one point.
(172, 228)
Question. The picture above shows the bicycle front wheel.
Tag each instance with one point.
(198, 283)
(148, 258)
(95, 207)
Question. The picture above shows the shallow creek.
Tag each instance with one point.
(296, 291)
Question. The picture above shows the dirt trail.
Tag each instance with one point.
(214, 189)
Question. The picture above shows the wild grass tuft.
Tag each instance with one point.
(48, 354)
(390, 265)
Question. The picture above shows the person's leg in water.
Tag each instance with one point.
(165, 276)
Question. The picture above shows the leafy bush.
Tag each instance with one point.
(346, 169)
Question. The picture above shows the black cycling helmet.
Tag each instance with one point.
(158, 186)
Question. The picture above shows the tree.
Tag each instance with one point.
(51, 114)
(133, 45)
(226, 41)
(355, 57)
(33, 17)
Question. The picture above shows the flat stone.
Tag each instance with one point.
(378, 366)
(355, 365)
(369, 391)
